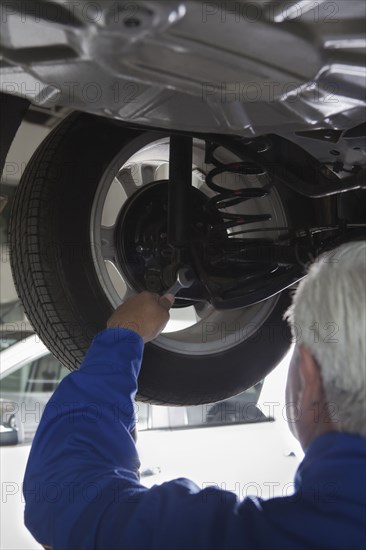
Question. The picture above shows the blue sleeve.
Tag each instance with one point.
(81, 485)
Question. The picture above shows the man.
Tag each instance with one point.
(81, 485)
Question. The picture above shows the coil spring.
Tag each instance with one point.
(230, 197)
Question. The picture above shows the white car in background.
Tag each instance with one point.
(240, 444)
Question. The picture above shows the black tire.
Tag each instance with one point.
(53, 271)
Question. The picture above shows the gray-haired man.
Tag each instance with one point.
(326, 384)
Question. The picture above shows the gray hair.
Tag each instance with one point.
(328, 317)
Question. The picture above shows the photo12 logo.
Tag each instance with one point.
(229, 12)
(269, 91)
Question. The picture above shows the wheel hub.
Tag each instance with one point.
(146, 259)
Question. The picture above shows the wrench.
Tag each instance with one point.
(184, 280)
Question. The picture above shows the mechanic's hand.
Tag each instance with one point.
(147, 314)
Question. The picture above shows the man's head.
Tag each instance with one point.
(326, 386)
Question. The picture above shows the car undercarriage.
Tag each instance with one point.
(226, 137)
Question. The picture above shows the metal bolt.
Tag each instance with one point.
(141, 249)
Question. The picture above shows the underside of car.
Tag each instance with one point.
(225, 137)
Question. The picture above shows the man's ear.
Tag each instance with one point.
(311, 381)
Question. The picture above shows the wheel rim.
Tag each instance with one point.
(192, 330)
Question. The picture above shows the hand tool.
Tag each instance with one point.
(184, 280)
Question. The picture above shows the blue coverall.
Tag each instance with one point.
(82, 490)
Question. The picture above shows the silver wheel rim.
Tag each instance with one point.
(190, 331)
